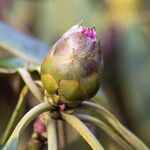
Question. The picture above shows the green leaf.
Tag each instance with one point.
(99, 123)
(113, 122)
(52, 134)
(15, 115)
(82, 130)
(16, 48)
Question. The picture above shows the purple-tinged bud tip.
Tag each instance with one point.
(86, 32)
(89, 32)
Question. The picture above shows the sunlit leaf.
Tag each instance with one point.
(16, 48)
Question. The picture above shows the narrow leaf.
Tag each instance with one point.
(83, 131)
(24, 122)
(13, 120)
(107, 129)
(52, 135)
(30, 83)
(128, 136)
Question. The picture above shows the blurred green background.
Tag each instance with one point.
(123, 27)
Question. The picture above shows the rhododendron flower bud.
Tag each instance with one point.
(72, 67)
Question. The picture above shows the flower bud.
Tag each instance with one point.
(72, 68)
